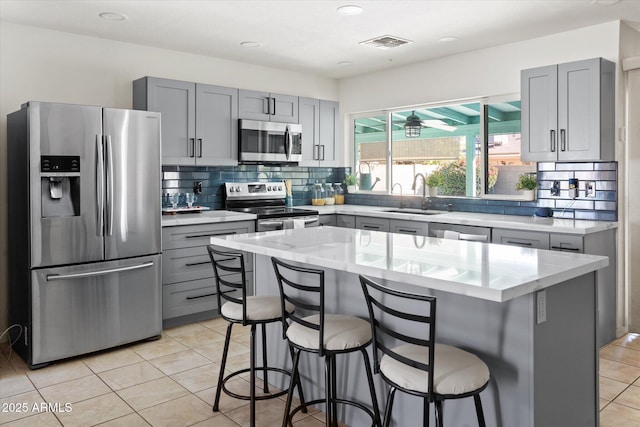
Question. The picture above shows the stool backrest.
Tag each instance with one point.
(304, 288)
(230, 277)
(397, 318)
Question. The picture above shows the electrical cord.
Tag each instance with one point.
(11, 343)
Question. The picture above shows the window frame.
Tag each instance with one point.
(483, 152)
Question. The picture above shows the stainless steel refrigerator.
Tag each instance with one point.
(84, 229)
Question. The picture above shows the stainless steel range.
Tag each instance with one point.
(267, 201)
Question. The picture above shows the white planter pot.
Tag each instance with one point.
(529, 194)
(351, 188)
(433, 191)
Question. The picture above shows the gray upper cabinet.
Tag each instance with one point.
(265, 106)
(319, 120)
(199, 122)
(568, 112)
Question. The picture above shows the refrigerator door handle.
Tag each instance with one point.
(109, 163)
(99, 185)
(54, 277)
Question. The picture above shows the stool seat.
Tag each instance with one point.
(341, 332)
(456, 371)
(258, 308)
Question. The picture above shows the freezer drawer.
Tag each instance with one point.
(84, 308)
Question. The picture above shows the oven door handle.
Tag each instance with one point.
(281, 223)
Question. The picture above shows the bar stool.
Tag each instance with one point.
(327, 335)
(416, 364)
(230, 276)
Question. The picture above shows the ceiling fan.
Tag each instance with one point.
(413, 124)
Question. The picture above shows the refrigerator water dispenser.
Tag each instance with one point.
(60, 186)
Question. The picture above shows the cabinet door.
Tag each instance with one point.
(309, 115)
(216, 125)
(176, 101)
(371, 223)
(579, 110)
(346, 221)
(438, 229)
(539, 87)
(417, 228)
(327, 220)
(329, 150)
(526, 239)
(284, 108)
(567, 243)
(253, 105)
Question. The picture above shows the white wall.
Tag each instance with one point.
(43, 65)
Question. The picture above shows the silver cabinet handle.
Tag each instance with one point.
(54, 277)
(553, 140)
(191, 148)
(563, 140)
(322, 157)
(200, 147)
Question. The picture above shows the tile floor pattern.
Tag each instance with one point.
(171, 382)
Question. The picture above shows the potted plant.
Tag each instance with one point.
(350, 181)
(433, 181)
(528, 184)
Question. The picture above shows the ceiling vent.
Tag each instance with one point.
(385, 42)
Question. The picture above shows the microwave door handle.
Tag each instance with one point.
(288, 142)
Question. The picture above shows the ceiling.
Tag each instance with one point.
(309, 36)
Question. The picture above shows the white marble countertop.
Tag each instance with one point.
(206, 217)
(481, 270)
(517, 222)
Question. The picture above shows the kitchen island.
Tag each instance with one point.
(529, 314)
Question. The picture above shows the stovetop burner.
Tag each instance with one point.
(263, 199)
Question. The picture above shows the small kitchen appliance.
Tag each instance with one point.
(267, 201)
(269, 142)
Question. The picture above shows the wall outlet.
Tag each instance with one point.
(541, 304)
(590, 189)
(197, 187)
(555, 188)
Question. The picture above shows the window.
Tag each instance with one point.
(447, 140)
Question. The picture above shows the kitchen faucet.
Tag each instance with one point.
(402, 202)
(425, 201)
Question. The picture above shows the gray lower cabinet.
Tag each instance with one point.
(327, 220)
(188, 287)
(199, 121)
(437, 229)
(372, 223)
(416, 228)
(600, 243)
(346, 221)
(526, 239)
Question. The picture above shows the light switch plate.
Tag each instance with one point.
(590, 189)
(541, 304)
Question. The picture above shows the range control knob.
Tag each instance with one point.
(238, 189)
(269, 188)
(279, 187)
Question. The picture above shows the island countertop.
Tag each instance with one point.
(480, 270)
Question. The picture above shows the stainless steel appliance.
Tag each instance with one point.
(267, 201)
(269, 142)
(84, 229)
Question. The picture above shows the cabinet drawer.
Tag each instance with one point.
(568, 243)
(370, 223)
(181, 299)
(181, 265)
(346, 221)
(438, 229)
(526, 239)
(186, 236)
(327, 220)
(409, 227)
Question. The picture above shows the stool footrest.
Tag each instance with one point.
(246, 397)
(304, 406)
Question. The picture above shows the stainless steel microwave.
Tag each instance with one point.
(269, 142)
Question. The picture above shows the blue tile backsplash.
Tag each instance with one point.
(602, 207)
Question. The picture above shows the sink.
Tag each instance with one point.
(413, 211)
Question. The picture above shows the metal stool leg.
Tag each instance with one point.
(295, 378)
(389, 407)
(327, 380)
(227, 338)
(439, 420)
(264, 359)
(372, 387)
(252, 378)
(479, 412)
(425, 412)
(298, 383)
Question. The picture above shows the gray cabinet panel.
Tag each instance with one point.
(346, 221)
(216, 125)
(329, 125)
(187, 236)
(319, 119)
(328, 220)
(526, 239)
(437, 229)
(416, 228)
(309, 115)
(371, 223)
(539, 113)
(568, 243)
(265, 106)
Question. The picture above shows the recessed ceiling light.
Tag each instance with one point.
(250, 44)
(113, 16)
(350, 9)
(447, 39)
(605, 2)
(345, 63)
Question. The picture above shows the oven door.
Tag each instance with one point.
(271, 224)
(269, 142)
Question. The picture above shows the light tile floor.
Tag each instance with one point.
(171, 382)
